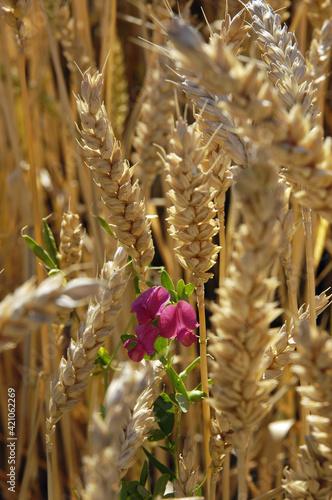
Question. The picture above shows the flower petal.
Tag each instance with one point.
(168, 322)
(187, 337)
(187, 315)
(137, 352)
(147, 335)
(149, 304)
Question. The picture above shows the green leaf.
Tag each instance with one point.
(165, 413)
(127, 336)
(177, 383)
(143, 492)
(196, 396)
(174, 296)
(166, 281)
(39, 252)
(150, 283)
(161, 467)
(50, 244)
(188, 289)
(144, 473)
(180, 287)
(102, 411)
(182, 401)
(184, 375)
(160, 486)
(124, 490)
(136, 285)
(103, 359)
(105, 225)
(156, 435)
(160, 346)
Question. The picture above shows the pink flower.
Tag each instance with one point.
(144, 344)
(178, 322)
(149, 304)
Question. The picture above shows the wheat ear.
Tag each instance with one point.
(312, 362)
(116, 439)
(74, 372)
(113, 175)
(22, 311)
(241, 320)
(188, 471)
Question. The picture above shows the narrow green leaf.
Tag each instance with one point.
(39, 252)
(165, 413)
(182, 401)
(180, 287)
(160, 486)
(143, 492)
(188, 289)
(50, 244)
(161, 467)
(105, 226)
(177, 383)
(166, 281)
(144, 473)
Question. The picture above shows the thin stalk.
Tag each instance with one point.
(110, 68)
(242, 493)
(204, 379)
(310, 264)
(225, 477)
(222, 244)
(31, 156)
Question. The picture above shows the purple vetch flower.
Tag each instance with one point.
(146, 337)
(149, 304)
(178, 322)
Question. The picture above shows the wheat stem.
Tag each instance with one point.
(307, 222)
(204, 376)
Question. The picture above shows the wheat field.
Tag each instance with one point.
(165, 258)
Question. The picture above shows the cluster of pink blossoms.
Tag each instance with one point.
(174, 321)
